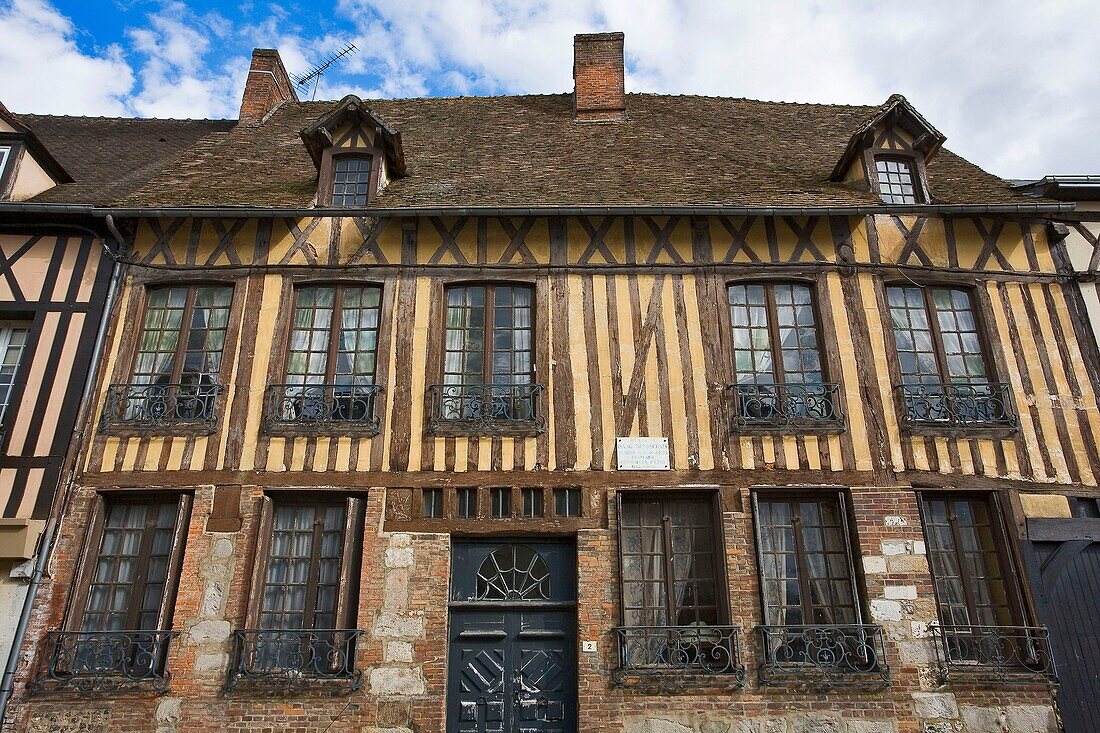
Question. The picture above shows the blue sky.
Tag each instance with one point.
(1012, 83)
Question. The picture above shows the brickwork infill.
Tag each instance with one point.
(403, 611)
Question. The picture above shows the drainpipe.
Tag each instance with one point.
(7, 686)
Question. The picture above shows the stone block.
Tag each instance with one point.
(874, 565)
(660, 725)
(209, 631)
(907, 564)
(400, 539)
(935, 705)
(941, 726)
(211, 663)
(885, 610)
(1053, 506)
(715, 726)
(984, 720)
(816, 724)
(919, 548)
(212, 599)
(896, 547)
(397, 681)
(1031, 719)
(872, 726)
(397, 651)
(399, 557)
(395, 589)
(223, 547)
(900, 592)
(399, 625)
(917, 652)
(168, 710)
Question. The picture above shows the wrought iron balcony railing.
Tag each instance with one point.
(824, 655)
(160, 406)
(680, 652)
(791, 406)
(104, 661)
(994, 653)
(291, 658)
(322, 408)
(479, 409)
(957, 405)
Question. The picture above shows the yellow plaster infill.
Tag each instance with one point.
(675, 377)
(653, 392)
(850, 378)
(882, 369)
(421, 311)
(1043, 506)
(626, 343)
(603, 367)
(694, 340)
(578, 355)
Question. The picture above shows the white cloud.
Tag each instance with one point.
(45, 71)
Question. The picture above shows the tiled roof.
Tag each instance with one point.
(517, 151)
(110, 157)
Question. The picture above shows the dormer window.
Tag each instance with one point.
(5, 151)
(351, 178)
(897, 181)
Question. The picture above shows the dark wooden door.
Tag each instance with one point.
(1066, 579)
(513, 649)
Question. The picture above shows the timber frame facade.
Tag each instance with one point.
(800, 541)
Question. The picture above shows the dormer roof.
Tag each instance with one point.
(25, 135)
(895, 112)
(322, 132)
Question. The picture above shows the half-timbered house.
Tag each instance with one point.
(593, 411)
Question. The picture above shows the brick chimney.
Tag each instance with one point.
(266, 86)
(599, 87)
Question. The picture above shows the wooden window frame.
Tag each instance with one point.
(334, 330)
(488, 326)
(1010, 570)
(721, 573)
(327, 172)
(93, 540)
(185, 325)
(844, 503)
(915, 176)
(347, 601)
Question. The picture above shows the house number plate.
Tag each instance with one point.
(642, 454)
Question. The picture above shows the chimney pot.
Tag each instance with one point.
(267, 85)
(599, 91)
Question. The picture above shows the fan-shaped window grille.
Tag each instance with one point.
(513, 573)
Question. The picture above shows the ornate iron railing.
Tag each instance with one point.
(994, 653)
(104, 661)
(684, 652)
(160, 406)
(486, 408)
(322, 407)
(786, 405)
(824, 655)
(957, 405)
(291, 658)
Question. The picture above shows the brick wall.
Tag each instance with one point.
(403, 612)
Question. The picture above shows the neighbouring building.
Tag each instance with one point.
(593, 411)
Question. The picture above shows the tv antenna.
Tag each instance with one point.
(314, 74)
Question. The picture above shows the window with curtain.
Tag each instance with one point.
(777, 362)
(806, 567)
(943, 367)
(183, 335)
(334, 338)
(670, 564)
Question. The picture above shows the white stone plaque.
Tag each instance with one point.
(642, 454)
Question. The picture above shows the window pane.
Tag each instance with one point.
(351, 316)
(431, 502)
(897, 184)
(805, 568)
(351, 180)
(303, 573)
(127, 586)
(781, 346)
(567, 502)
(12, 341)
(532, 502)
(197, 344)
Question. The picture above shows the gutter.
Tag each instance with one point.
(7, 685)
(247, 212)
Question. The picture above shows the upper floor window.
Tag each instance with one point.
(778, 371)
(488, 357)
(331, 360)
(351, 175)
(944, 374)
(13, 339)
(178, 360)
(5, 153)
(897, 181)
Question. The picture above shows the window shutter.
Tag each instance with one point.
(175, 561)
(259, 564)
(350, 563)
(74, 617)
